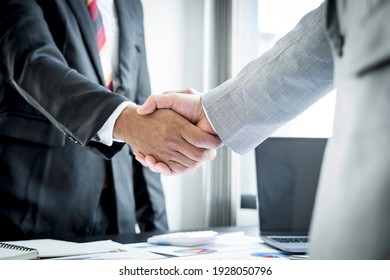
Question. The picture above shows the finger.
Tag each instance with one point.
(161, 167)
(167, 100)
(190, 171)
(164, 169)
(148, 107)
(141, 158)
(193, 91)
(151, 163)
(176, 169)
(155, 102)
(187, 154)
(147, 161)
(201, 139)
(184, 91)
(178, 163)
(212, 154)
(158, 167)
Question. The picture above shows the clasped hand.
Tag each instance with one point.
(169, 133)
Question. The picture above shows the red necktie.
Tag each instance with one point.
(101, 42)
(103, 53)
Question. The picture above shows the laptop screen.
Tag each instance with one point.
(287, 176)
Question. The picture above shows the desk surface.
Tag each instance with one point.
(142, 237)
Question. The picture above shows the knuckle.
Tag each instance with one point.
(170, 143)
(177, 168)
(192, 164)
(200, 155)
(190, 171)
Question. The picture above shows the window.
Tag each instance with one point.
(317, 121)
(257, 25)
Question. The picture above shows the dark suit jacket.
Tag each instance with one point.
(51, 105)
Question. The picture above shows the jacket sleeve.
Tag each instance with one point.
(33, 65)
(274, 88)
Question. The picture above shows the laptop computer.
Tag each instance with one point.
(287, 171)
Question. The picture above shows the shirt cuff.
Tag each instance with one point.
(207, 116)
(104, 135)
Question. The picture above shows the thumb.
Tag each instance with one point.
(154, 102)
(148, 107)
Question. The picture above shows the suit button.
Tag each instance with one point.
(72, 139)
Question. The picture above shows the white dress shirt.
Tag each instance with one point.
(111, 29)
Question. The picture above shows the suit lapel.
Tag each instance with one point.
(126, 38)
(80, 11)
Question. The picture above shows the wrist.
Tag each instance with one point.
(125, 122)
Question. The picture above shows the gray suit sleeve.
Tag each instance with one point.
(275, 88)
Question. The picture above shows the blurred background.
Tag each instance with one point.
(200, 44)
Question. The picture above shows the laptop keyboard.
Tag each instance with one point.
(292, 239)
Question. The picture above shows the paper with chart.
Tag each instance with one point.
(236, 247)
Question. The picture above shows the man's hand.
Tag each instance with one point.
(167, 137)
(188, 105)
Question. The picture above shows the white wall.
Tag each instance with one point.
(174, 46)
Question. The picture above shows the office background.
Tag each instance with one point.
(199, 44)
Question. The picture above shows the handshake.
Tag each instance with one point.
(169, 133)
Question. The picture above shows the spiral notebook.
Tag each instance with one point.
(16, 252)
